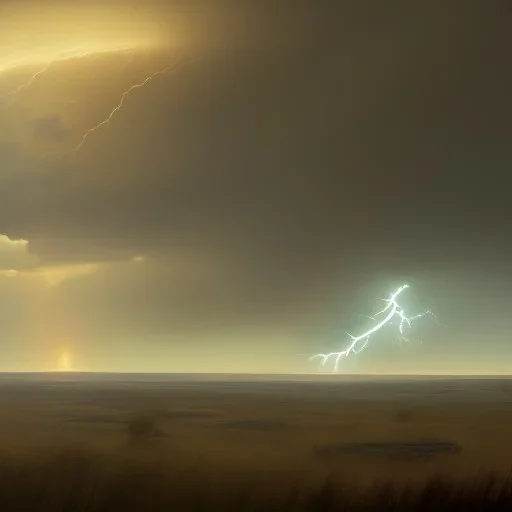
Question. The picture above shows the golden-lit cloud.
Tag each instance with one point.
(42, 32)
(9, 273)
(16, 261)
(44, 60)
(54, 98)
(14, 255)
(54, 276)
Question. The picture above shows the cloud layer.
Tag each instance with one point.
(295, 167)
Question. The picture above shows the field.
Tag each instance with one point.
(285, 426)
(271, 431)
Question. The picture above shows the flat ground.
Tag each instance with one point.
(235, 425)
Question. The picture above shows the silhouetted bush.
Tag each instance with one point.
(142, 429)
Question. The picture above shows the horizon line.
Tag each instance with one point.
(260, 374)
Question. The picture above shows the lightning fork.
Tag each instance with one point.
(26, 63)
(30, 81)
(359, 343)
(61, 57)
(120, 105)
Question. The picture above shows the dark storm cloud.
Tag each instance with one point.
(307, 150)
(284, 145)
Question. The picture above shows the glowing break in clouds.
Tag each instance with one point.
(359, 343)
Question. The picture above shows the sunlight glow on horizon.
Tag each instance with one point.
(64, 363)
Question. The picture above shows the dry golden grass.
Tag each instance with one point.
(78, 479)
(265, 428)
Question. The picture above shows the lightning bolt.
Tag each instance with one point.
(359, 343)
(60, 56)
(64, 56)
(119, 106)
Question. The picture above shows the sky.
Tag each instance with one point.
(282, 168)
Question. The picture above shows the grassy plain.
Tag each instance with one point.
(270, 432)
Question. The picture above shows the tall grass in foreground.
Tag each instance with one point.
(80, 480)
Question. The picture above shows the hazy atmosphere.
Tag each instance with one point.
(274, 172)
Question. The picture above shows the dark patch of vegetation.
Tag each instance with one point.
(426, 448)
(186, 415)
(403, 415)
(75, 480)
(142, 430)
(267, 425)
(94, 418)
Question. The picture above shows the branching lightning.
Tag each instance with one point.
(119, 106)
(359, 343)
